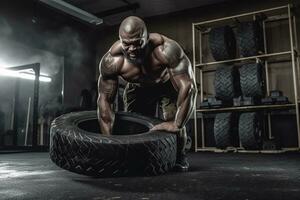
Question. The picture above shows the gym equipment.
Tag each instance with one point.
(211, 102)
(77, 146)
(225, 131)
(250, 130)
(222, 43)
(251, 80)
(276, 97)
(227, 83)
(250, 38)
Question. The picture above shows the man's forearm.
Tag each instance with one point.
(106, 117)
(185, 104)
(106, 126)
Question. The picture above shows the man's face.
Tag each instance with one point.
(133, 45)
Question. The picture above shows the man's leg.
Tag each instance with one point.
(169, 109)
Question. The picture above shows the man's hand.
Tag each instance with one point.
(166, 126)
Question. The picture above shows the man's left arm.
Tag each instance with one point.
(182, 78)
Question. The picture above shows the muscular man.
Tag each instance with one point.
(157, 70)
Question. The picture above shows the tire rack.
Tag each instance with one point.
(197, 30)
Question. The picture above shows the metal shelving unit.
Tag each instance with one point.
(245, 58)
(274, 14)
(248, 108)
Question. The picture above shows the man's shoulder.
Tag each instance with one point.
(114, 54)
(163, 46)
(112, 61)
(157, 42)
(116, 49)
(156, 39)
(160, 40)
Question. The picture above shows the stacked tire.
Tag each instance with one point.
(250, 130)
(250, 43)
(250, 40)
(227, 83)
(222, 43)
(252, 86)
(223, 47)
(247, 39)
(226, 88)
(251, 80)
(247, 82)
(225, 131)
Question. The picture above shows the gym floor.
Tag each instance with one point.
(211, 176)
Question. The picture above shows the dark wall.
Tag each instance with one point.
(35, 26)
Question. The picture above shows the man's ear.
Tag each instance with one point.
(145, 40)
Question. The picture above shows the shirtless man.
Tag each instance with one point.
(157, 71)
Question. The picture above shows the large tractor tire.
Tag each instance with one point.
(252, 80)
(227, 83)
(222, 43)
(77, 145)
(225, 131)
(250, 38)
(249, 131)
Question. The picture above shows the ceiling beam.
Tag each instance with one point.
(73, 11)
(118, 10)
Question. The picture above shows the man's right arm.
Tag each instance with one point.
(107, 87)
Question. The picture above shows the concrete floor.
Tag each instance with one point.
(212, 176)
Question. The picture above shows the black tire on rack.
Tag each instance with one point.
(251, 80)
(223, 130)
(250, 38)
(226, 83)
(77, 146)
(222, 43)
(249, 131)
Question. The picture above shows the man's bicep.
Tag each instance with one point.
(108, 79)
(175, 58)
(183, 66)
(182, 74)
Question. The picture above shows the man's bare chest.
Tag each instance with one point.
(148, 72)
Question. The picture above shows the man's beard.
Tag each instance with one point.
(136, 60)
(139, 57)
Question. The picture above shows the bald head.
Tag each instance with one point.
(133, 27)
(133, 36)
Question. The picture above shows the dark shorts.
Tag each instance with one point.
(144, 99)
